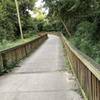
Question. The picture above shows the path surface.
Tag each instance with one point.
(41, 76)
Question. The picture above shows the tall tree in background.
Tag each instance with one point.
(19, 21)
(9, 27)
(71, 12)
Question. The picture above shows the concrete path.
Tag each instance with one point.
(41, 76)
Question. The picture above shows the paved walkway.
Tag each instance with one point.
(41, 76)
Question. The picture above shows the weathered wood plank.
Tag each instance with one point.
(15, 54)
(85, 69)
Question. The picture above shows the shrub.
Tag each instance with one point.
(84, 40)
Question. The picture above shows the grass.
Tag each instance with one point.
(9, 44)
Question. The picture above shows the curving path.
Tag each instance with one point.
(41, 76)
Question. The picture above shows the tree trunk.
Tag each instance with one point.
(69, 34)
(19, 20)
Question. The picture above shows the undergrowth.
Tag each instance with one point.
(86, 40)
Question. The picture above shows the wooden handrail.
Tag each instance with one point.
(86, 70)
(88, 62)
(20, 45)
(12, 55)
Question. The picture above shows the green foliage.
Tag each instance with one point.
(83, 40)
(9, 27)
(86, 27)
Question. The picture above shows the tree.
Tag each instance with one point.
(9, 27)
(71, 12)
(19, 21)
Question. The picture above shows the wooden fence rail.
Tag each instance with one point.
(13, 55)
(86, 71)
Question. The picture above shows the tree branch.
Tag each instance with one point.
(69, 34)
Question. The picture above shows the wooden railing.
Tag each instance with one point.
(86, 71)
(13, 55)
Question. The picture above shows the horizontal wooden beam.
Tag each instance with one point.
(87, 61)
